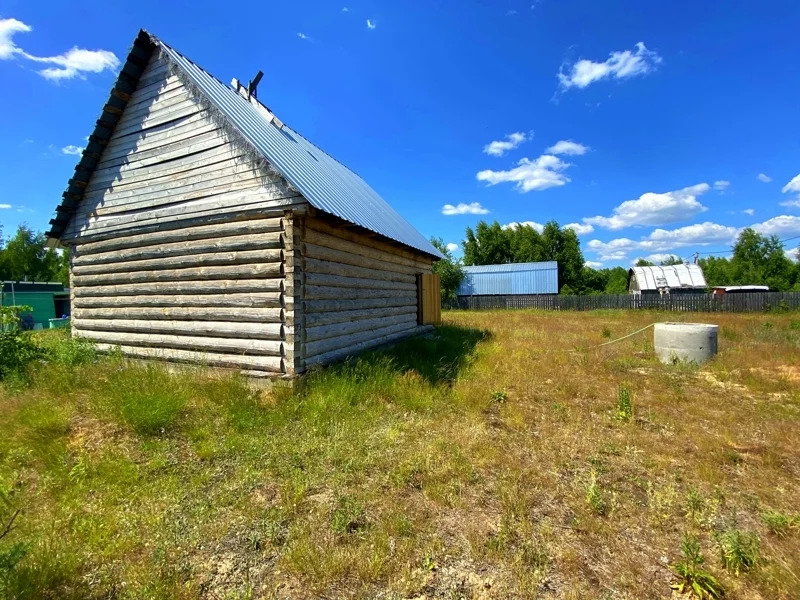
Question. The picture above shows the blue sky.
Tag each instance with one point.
(654, 128)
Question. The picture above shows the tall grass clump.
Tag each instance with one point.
(623, 410)
(145, 397)
(740, 551)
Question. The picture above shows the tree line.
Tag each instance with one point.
(26, 257)
(756, 260)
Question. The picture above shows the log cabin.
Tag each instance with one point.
(202, 229)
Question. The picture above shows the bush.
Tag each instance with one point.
(694, 579)
(17, 349)
(739, 550)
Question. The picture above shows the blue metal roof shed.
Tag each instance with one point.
(510, 279)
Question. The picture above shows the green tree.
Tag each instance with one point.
(26, 257)
(487, 245)
(644, 263)
(449, 269)
(672, 260)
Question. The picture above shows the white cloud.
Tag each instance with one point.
(722, 185)
(749, 211)
(580, 228)
(5, 206)
(780, 226)
(345, 9)
(474, 208)
(764, 178)
(568, 147)
(72, 63)
(654, 209)
(302, 36)
(593, 264)
(500, 147)
(453, 247)
(371, 24)
(76, 63)
(793, 254)
(72, 150)
(513, 225)
(791, 203)
(792, 186)
(8, 27)
(665, 240)
(530, 175)
(619, 65)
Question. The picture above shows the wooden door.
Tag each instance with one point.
(429, 299)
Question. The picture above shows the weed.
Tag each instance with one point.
(623, 411)
(780, 523)
(595, 496)
(146, 397)
(429, 564)
(694, 579)
(348, 516)
(794, 325)
(606, 332)
(695, 503)
(739, 550)
(499, 396)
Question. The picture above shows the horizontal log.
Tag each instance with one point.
(348, 316)
(273, 364)
(226, 329)
(319, 292)
(348, 258)
(364, 238)
(184, 234)
(318, 279)
(261, 241)
(327, 267)
(221, 286)
(361, 248)
(237, 315)
(349, 340)
(198, 143)
(333, 306)
(181, 262)
(263, 271)
(185, 342)
(321, 332)
(227, 204)
(173, 195)
(261, 300)
(356, 348)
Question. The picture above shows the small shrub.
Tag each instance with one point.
(739, 550)
(624, 408)
(794, 325)
(780, 523)
(348, 516)
(72, 351)
(694, 579)
(17, 349)
(499, 396)
(606, 332)
(694, 503)
(595, 496)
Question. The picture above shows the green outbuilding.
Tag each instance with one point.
(49, 300)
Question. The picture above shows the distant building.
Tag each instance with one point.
(49, 300)
(667, 279)
(510, 279)
(719, 290)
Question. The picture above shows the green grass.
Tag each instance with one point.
(479, 463)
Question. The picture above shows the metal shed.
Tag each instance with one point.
(510, 279)
(669, 279)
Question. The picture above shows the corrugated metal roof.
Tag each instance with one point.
(510, 278)
(671, 276)
(326, 183)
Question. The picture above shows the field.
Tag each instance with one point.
(503, 458)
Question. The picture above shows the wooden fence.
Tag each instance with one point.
(752, 302)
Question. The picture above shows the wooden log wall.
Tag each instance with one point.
(179, 245)
(358, 291)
